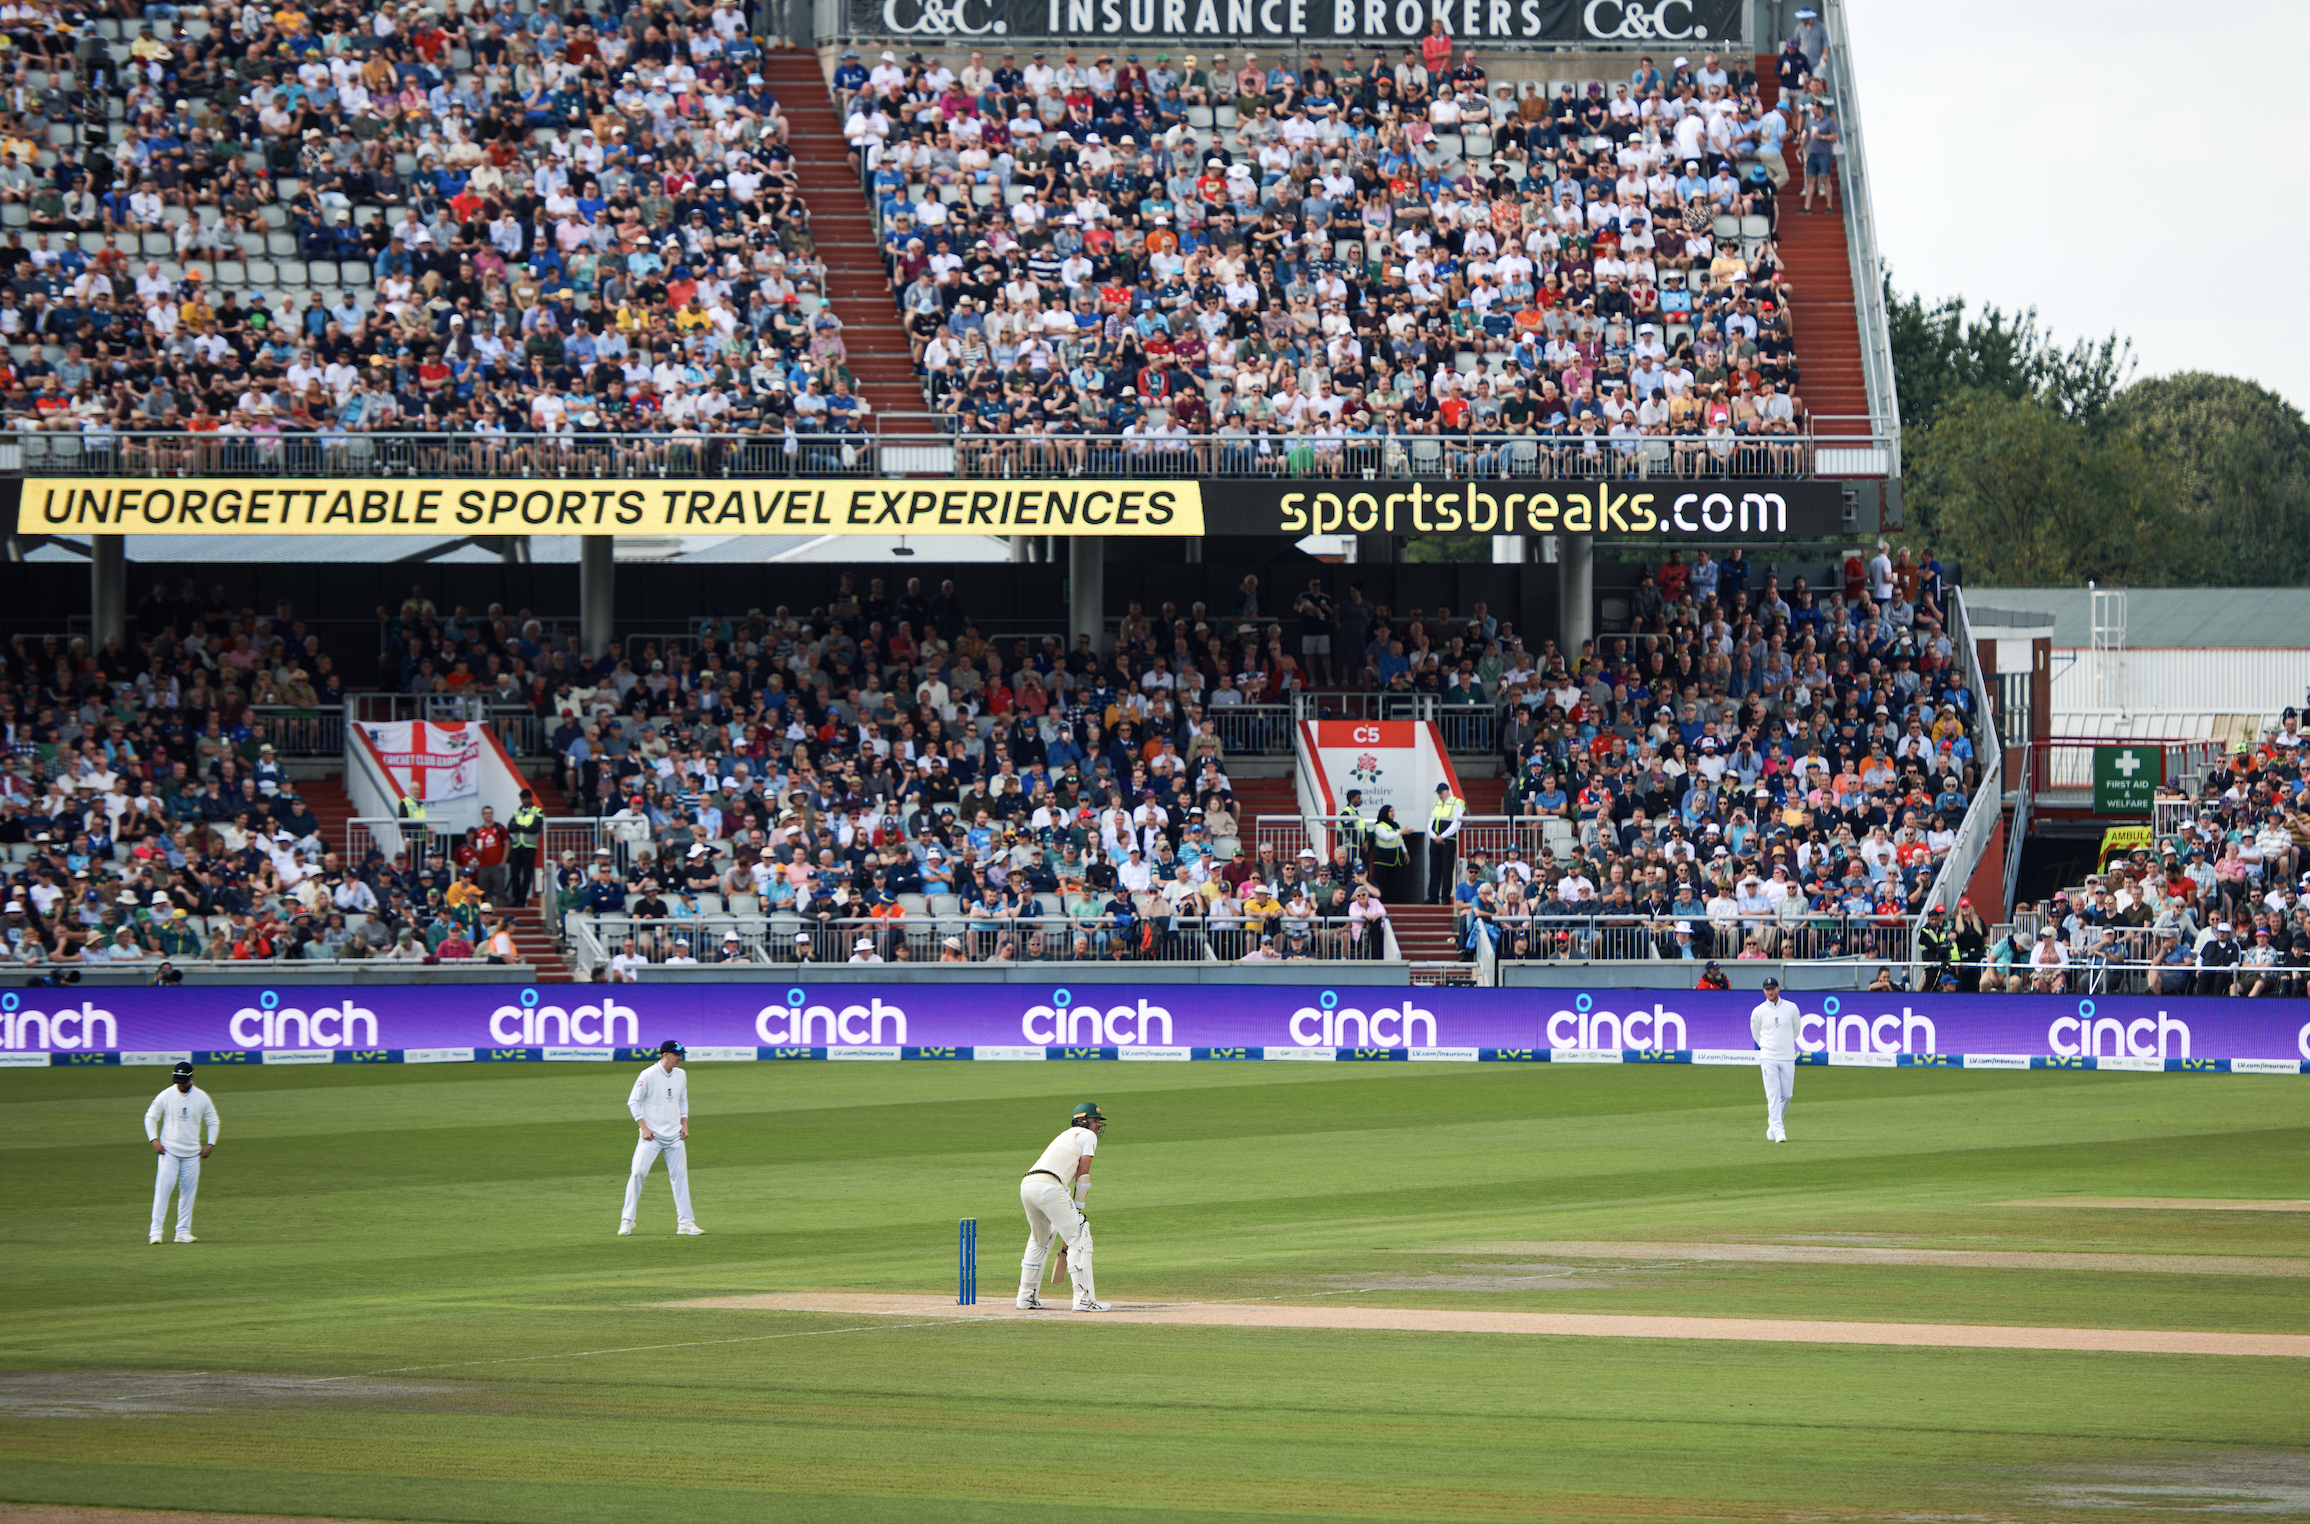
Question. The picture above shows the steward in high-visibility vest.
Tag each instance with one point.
(413, 832)
(1387, 857)
(1348, 829)
(1443, 842)
(527, 831)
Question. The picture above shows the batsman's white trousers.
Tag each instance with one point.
(646, 1153)
(182, 1176)
(1780, 1083)
(1051, 1214)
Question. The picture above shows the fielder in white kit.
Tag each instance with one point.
(1774, 1026)
(660, 1103)
(1053, 1192)
(173, 1122)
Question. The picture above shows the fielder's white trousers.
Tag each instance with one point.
(646, 1153)
(182, 1175)
(1780, 1083)
(1051, 1214)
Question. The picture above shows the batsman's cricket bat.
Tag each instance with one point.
(1055, 1264)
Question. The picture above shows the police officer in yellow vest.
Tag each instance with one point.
(1444, 842)
(528, 830)
(1347, 826)
(1387, 856)
(413, 832)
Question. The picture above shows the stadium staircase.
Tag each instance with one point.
(1816, 259)
(857, 286)
(1425, 934)
(334, 810)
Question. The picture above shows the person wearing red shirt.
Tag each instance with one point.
(1436, 49)
(1675, 578)
(490, 842)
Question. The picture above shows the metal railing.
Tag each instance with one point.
(784, 939)
(302, 732)
(2090, 975)
(1253, 730)
(2066, 762)
(2017, 833)
(1987, 806)
(579, 835)
(1629, 936)
(1867, 265)
(387, 708)
(1495, 838)
(684, 454)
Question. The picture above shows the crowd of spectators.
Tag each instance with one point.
(146, 813)
(1753, 772)
(877, 770)
(1348, 267)
(2213, 905)
(526, 226)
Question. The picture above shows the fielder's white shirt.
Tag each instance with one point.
(174, 1121)
(1774, 1025)
(661, 1099)
(1066, 1150)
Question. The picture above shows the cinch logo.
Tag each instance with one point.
(332, 1026)
(2086, 1036)
(532, 1025)
(88, 1027)
(1585, 1027)
(852, 1025)
(1063, 1023)
(2302, 1041)
(1887, 1033)
(1327, 1025)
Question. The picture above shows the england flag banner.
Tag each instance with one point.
(437, 763)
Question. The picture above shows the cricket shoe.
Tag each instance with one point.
(691, 1230)
(186, 1238)
(1085, 1304)
(1023, 1304)
(625, 1227)
(154, 1239)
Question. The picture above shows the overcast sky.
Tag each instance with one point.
(2083, 156)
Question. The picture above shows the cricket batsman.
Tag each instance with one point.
(1053, 1193)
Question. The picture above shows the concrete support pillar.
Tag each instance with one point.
(108, 589)
(597, 592)
(1022, 549)
(1087, 589)
(1576, 593)
(513, 550)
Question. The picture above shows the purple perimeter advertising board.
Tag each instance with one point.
(409, 1022)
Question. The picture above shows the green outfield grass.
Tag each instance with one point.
(444, 1237)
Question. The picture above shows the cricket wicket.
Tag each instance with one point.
(966, 1262)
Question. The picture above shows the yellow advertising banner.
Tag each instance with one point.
(405, 506)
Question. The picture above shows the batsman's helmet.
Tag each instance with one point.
(1089, 1112)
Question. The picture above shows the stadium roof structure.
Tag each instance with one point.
(544, 550)
(2210, 618)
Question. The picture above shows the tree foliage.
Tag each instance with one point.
(2022, 494)
(2243, 457)
(1940, 354)
(2044, 465)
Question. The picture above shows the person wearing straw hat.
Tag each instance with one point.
(660, 1105)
